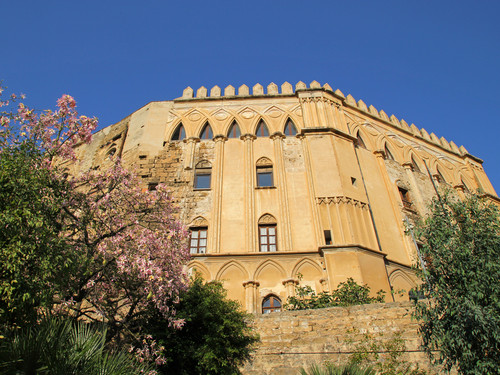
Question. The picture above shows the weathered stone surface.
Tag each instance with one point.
(293, 339)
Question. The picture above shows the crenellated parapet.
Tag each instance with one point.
(287, 89)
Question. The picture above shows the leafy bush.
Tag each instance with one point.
(386, 356)
(347, 293)
(60, 347)
(331, 369)
(216, 337)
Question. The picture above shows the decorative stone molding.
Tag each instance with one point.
(248, 137)
(220, 138)
(251, 284)
(349, 100)
(341, 199)
(267, 219)
(264, 162)
(199, 222)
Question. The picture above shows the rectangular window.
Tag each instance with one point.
(198, 240)
(267, 238)
(265, 176)
(202, 179)
(328, 237)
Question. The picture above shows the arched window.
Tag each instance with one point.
(414, 164)
(179, 133)
(361, 143)
(290, 128)
(267, 234)
(264, 169)
(206, 132)
(388, 153)
(202, 175)
(111, 153)
(440, 176)
(234, 131)
(271, 304)
(262, 130)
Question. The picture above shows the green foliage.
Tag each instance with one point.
(386, 356)
(348, 293)
(331, 369)
(461, 318)
(216, 337)
(31, 200)
(60, 347)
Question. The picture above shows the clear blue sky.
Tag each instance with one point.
(433, 63)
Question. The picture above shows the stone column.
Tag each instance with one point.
(312, 193)
(250, 223)
(189, 159)
(279, 168)
(290, 285)
(251, 295)
(217, 192)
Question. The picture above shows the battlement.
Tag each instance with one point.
(288, 90)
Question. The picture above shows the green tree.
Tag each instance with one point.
(461, 316)
(216, 337)
(34, 257)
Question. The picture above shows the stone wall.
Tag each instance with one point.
(294, 339)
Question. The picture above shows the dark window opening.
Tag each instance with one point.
(388, 154)
(267, 238)
(328, 237)
(262, 130)
(353, 181)
(198, 240)
(202, 178)
(152, 186)
(179, 133)
(271, 304)
(441, 179)
(361, 143)
(414, 165)
(405, 198)
(206, 132)
(290, 128)
(265, 176)
(234, 131)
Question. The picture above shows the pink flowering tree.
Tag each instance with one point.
(92, 245)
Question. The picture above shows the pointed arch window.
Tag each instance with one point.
(414, 165)
(206, 132)
(271, 304)
(262, 130)
(290, 128)
(361, 143)
(388, 153)
(234, 131)
(179, 133)
(440, 176)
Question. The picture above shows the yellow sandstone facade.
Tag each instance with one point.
(289, 181)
